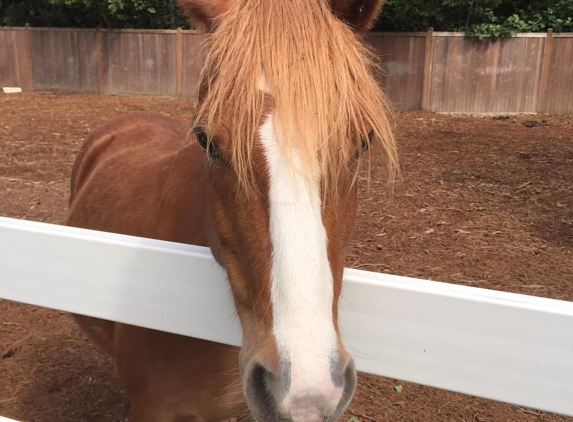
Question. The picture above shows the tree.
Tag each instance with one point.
(477, 17)
(152, 14)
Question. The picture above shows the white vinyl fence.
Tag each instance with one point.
(502, 346)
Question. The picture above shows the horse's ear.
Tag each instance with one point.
(204, 13)
(359, 14)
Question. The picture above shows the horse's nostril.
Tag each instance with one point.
(261, 400)
(349, 376)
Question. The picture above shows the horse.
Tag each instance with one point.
(266, 176)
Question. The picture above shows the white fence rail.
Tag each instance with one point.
(507, 347)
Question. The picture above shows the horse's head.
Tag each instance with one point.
(287, 108)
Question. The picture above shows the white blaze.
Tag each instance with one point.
(301, 278)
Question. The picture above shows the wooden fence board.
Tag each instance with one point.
(192, 62)
(470, 75)
(402, 60)
(64, 60)
(543, 79)
(560, 80)
(15, 66)
(139, 63)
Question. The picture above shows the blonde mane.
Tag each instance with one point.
(320, 76)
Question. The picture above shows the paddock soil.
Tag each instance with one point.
(481, 202)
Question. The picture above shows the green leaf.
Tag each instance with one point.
(398, 388)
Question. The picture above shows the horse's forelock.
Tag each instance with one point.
(320, 75)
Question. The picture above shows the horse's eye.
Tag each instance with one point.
(206, 145)
(365, 143)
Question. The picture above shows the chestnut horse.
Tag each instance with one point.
(288, 106)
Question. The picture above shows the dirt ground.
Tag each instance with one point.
(481, 202)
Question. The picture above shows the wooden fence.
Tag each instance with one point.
(436, 71)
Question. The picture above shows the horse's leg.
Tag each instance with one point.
(142, 411)
(100, 331)
(145, 409)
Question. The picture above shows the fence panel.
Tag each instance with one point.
(492, 344)
(560, 79)
(470, 75)
(193, 59)
(402, 60)
(139, 62)
(457, 74)
(15, 66)
(64, 59)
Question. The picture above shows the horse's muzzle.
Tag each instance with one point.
(272, 397)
